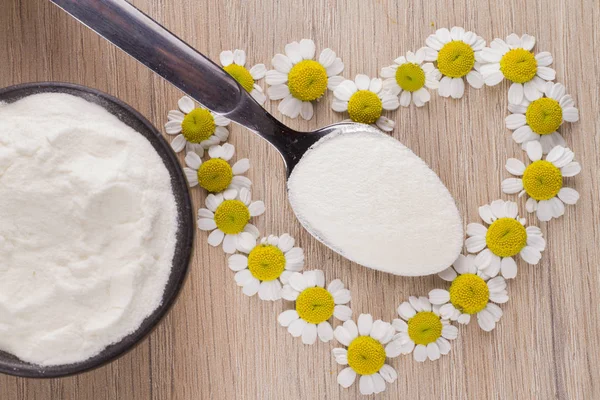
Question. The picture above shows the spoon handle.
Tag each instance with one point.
(170, 57)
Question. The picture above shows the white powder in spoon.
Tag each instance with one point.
(87, 229)
(372, 200)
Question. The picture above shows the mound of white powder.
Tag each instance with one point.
(87, 229)
(371, 199)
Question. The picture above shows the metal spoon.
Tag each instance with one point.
(154, 46)
(164, 53)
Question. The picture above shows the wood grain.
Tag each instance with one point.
(219, 344)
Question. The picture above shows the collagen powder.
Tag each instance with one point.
(372, 200)
(87, 229)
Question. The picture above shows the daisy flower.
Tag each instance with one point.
(365, 354)
(267, 265)
(197, 128)
(234, 62)
(542, 180)
(539, 119)
(227, 215)
(513, 59)
(454, 50)
(422, 331)
(314, 306)
(364, 100)
(505, 237)
(409, 78)
(215, 174)
(299, 80)
(471, 292)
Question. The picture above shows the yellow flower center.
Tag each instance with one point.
(307, 80)
(315, 305)
(364, 107)
(424, 328)
(506, 237)
(456, 59)
(366, 355)
(215, 175)
(469, 293)
(198, 125)
(518, 65)
(266, 262)
(242, 75)
(544, 115)
(542, 180)
(232, 216)
(410, 77)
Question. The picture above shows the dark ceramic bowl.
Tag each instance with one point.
(11, 365)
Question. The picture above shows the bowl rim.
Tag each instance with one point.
(184, 242)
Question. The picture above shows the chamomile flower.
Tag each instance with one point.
(472, 292)
(364, 100)
(197, 128)
(539, 119)
(504, 238)
(409, 78)
(454, 50)
(298, 80)
(215, 175)
(314, 306)
(513, 59)
(421, 331)
(234, 63)
(227, 216)
(542, 180)
(267, 265)
(365, 354)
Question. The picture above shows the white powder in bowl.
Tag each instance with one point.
(372, 200)
(87, 229)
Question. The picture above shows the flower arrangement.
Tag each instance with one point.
(477, 282)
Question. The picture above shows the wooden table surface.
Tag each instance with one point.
(217, 343)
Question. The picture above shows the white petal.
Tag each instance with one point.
(307, 49)
(546, 73)
(515, 121)
(243, 277)
(342, 335)
(335, 285)
(439, 296)
(388, 373)
(375, 85)
(325, 331)
(571, 114)
(527, 41)
(290, 106)
(306, 110)
(297, 327)
(366, 385)
(173, 127)
(405, 98)
(256, 208)
(226, 57)
(385, 124)
(531, 90)
(475, 244)
(515, 93)
(340, 355)
(420, 353)
(406, 311)
(237, 262)
(568, 195)
(362, 82)
(365, 323)
(327, 57)
(524, 134)
(185, 104)
(443, 345)
(530, 255)
(178, 143)
(342, 296)
(448, 274)
(534, 150)
(336, 68)
(433, 351)
(341, 312)
(239, 57)
(537, 242)
(287, 317)
(346, 377)
(493, 79)
(215, 238)
(512, 185)
(282, 63)
(515, 167)
(475, 79)
(400, 325)
(486, 320)
(485, 212)
(298, 282)
(274, 77)
(288, 293)
(258, 71)
(571, 169)
(251, 287)
(334, 81)
(345, 90)
(309, 334)
(378, 383)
